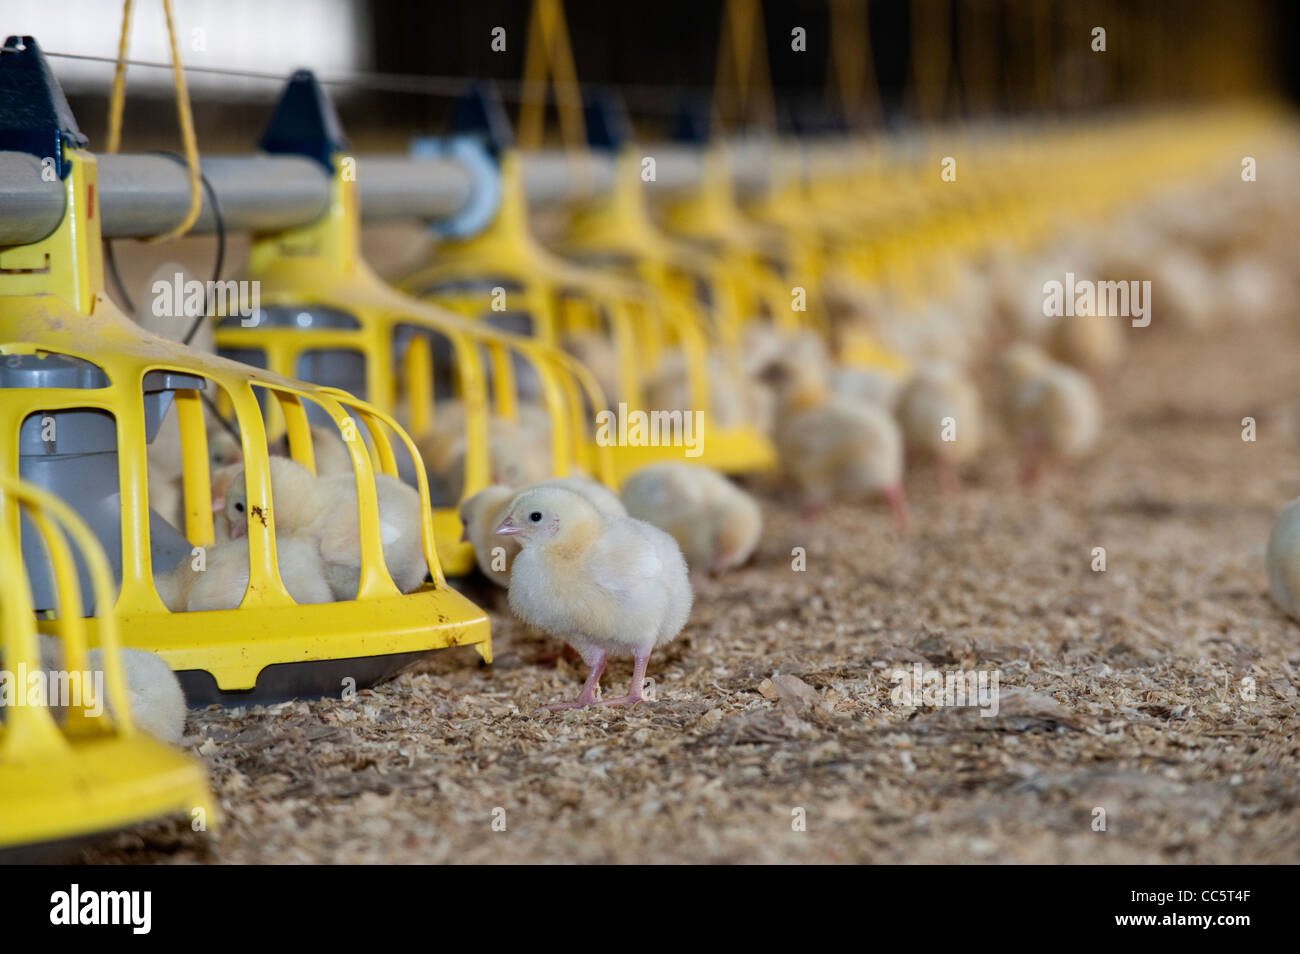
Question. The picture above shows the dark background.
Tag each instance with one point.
(1158, 50)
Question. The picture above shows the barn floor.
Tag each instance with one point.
(1120, 690)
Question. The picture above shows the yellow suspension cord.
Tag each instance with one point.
(186, 118)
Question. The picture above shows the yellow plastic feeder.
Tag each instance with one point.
(87, 773)
(58, 328)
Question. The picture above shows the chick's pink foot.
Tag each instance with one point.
(631, 699)
(588, 695)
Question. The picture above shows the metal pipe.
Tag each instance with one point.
(143, 195)
(401, 187)
(30, 207)
(148, 195)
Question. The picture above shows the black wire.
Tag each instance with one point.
(111, 261)
(220, 263)
(221, 243)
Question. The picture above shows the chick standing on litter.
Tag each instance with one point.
(603, 583)
(481, 513)
(323, 511)
(939, 411)
(1053, 410)
(834, 450)
(716, 524)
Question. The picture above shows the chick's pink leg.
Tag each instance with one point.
(897, 504)
(638, 683)
(588, 695)
(949, 479)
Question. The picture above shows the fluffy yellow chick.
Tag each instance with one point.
(940, 414)
(220, 585)
(332, 455)
(1053, 410)
(716, 524)
(596, 351)
(602, 583)
(734, 400)
(323, 512)
(481, 513)
(1092, 343)
(1283, 560)
(519, 451)
(1249, 288)
(153, 693)
(1182, 289)
(831, 448)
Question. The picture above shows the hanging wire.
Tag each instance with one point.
(664, 98)
(931, 34)
(548, 62)
(978, 42)
(742, 60)
(117, 101)
(218, 266)
(850, 69)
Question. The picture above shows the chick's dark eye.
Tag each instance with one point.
(535, 516)
(239, 507)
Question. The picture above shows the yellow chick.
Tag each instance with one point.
(1182, 289)
(716, 524)
(733, 399)
(1053, 410)
(831, 448)
(332, 455)
(603, 584)
(323, 512)
(1283, 560)
(1092, 343)
(1249, 289)
(596, 351)
(519, 451)
(153, 693)
(940, 414)
(481, 513)
(221, 583)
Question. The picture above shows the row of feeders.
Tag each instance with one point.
(86, 390)
(484, 406)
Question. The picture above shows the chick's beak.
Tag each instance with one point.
(508, 528)
(237, 530)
